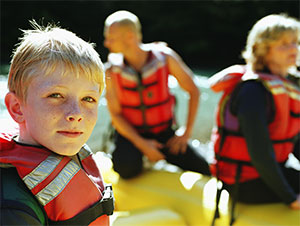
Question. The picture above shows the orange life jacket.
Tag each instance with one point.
(68, 193)
(284, 129)
(144, 97)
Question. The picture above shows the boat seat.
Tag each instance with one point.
(153, 216)
(184, 198)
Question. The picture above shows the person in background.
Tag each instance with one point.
(140, 103)
(258, 117)
(48, 174)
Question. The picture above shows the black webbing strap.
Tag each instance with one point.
(235, 192)
(145, 128)
(104, 207)
(144, 106)
(234, 196)
(295, 115)
(217, 212)
(233, 161)
(144, 86)
(293, 139)
(219, 189)
(223, 131)
(223, 134)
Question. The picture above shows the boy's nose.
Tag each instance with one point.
(74, 113)
(72, 118)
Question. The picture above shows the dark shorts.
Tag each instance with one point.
(128, 160)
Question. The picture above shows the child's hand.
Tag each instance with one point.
(296, 204)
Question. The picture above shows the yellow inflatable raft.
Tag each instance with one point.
(171, 197)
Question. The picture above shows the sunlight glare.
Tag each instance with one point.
(209, 196)
(188, 179)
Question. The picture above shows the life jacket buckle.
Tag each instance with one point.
(107, 200)
(107, 193)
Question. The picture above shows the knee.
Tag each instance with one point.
(127, 171)
(127, 168)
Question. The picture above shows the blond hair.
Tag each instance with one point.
(43, 49)
(264, 31)
(125, 19)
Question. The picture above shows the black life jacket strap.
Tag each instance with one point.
(223, 132)
(295, 115)
(234, 197)
(148, 127)
(227, 132)
(143, 106)
(140, 87)
(293, 139)
(219, 190)
(234, 161)
(218, 196)
(235, 192)
(104, 207)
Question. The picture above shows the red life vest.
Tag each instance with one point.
(69, 194)
(283, 129)
(144, 97)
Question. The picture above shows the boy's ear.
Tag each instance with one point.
(13, 105)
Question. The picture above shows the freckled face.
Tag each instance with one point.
(60, 112)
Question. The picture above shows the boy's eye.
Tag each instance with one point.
(89, 99)
(55, 95)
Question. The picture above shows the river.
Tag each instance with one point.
(99, 140)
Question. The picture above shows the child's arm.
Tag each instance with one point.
(16, 216)
(18, 206)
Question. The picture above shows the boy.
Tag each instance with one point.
(55, 82)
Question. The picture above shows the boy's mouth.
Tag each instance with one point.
(72, 134)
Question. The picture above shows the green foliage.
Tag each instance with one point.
(205, 33)
(4, 68)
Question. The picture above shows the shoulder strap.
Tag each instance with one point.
(227, 78)
(104, 207)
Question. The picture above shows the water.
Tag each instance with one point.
(3, 91)
(99, 140)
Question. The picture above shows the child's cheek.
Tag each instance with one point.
(92, 115)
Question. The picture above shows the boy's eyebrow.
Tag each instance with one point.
(96, 90)
(92, 91)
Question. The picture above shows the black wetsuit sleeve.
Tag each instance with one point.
(252, 111)
(18, 215)
(17, 204)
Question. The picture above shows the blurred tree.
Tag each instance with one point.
(207, 34)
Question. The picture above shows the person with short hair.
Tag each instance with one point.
(48, 174)
(140, 103)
